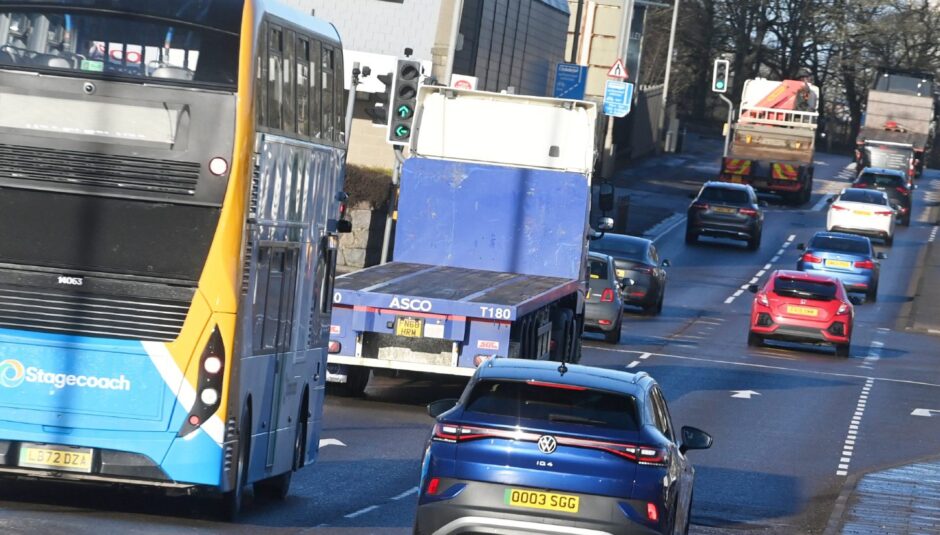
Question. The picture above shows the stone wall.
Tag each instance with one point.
(363, 246)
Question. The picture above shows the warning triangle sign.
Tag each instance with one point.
(617, 70)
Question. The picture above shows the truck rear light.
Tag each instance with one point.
(750, 212)
(652, 513)
(811, 259)
(865, 264)
(607, 296)
(334, 347)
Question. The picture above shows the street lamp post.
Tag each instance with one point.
(672, 40)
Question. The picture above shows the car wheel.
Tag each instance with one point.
(754, 340)
(754, 243)
(889, 240)
(659, 305)
(613, 337)
(842, 350)
(872, 293)
(690, 236)
(906, 220)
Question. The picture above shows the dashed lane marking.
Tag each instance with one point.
(933, 235)
(361, 512)
(633, 364)
(762, 272)
(645, 356)
(403, 495)
(799, 371)
(848, 447)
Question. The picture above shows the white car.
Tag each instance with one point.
(862, 211)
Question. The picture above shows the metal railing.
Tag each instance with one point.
(778, 117)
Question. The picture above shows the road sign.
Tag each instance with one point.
(570, 81)
(618, 70)
(462, 81)
(618, 98)
(744, 394)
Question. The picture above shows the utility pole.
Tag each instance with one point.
(672, 40)
(625, 22)
(577, 32)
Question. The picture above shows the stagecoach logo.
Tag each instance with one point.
(547, 444)
(71, 281)
(13, 374)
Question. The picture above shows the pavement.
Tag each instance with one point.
(925, 315)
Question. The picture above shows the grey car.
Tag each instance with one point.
(603, 309)
(724, 210)
(636, 259)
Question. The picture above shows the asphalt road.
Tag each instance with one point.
(806, 420)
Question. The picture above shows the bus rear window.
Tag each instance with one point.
(516, 399)
(98, 44)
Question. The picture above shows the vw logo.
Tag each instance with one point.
(547, 444)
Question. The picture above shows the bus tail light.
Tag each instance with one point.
(209, 385)
(218, 166)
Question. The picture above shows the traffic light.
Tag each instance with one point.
(404, 97)
(378, 102)
(720, 76)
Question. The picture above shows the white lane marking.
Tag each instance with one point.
(744, 394)
(763, 271)
(769, 266)
(324, 442)
(775, 258)
(799, 371)
(729, 300)
(821, 203)
(361, 511)
(848, 447)
(633, 364)
(933, 235)
(665, 227)
(738, 293)
(645, 356)
(790, 239)
(754, 280)
(924, 412)
(780, 252)
(409, 492)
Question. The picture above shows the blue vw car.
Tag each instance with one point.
(538, 447)
(848, 257)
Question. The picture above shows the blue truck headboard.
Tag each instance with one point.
(489, 217)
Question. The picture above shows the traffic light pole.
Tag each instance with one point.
(392, 205)
(730, 118)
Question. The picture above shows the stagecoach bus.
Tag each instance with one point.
(171, 178)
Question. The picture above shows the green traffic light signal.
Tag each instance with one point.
(720, 84)
(402, 131)
(404, 111)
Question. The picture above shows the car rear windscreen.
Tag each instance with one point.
(840, 245)
(881, 180)
(517, 399)
(597, 269)
(805, 289)
(620, 248)
(863, 196)
(724, 195)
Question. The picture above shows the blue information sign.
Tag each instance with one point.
(618, 98)
(570, 81)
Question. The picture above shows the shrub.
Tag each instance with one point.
(368, 187)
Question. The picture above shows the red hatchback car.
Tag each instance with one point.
(802, 307)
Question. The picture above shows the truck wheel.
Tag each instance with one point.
(232, 500)
(357, 379)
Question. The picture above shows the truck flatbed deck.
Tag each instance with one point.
(454, 284)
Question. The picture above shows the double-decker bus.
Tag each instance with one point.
(171, 178)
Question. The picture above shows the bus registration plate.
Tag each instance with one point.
(56, 457)
(409, 327)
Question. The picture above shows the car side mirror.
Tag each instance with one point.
(801, 246)
(605, 198)
(881, 256)
(763, 204)
(439, 407)
(695, 439)
(605, 223)
(856, 300)
(753, 288)
(666, 263)
(626, 283)
(344, 226)
(830, 200)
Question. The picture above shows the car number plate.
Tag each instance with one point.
(621, 273)
(861, 212)
(802, 311)
(838, 263)
(548, 501)
(56, 457)
(725, 210)
(409, 327)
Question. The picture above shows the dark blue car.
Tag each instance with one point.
(848, 257)
(538, 447)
